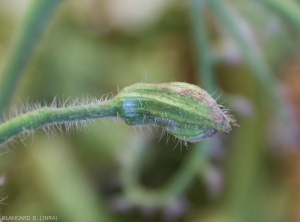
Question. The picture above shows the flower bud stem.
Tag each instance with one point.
(50, 116)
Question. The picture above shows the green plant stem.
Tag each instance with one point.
(49, 116)
(205, 58)
(253, 58)
(22, 47)
(290, 10)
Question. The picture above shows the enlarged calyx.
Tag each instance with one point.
(184, 110)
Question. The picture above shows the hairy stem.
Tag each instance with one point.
(49, 116)
(22, 47)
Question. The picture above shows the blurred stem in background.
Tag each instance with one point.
(246, 179)
(23, 45)
(252, 56)
(175, 187)
(63, 183)
(201, 39)
(290, 10)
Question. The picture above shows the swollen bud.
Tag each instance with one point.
(184, 110)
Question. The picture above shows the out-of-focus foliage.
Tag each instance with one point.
(248, 51)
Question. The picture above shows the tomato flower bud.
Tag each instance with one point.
(184, 110)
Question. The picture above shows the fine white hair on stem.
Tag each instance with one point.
(219, 96)
(214, 92)
(66, 128)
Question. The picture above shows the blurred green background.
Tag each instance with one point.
(245, 52)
